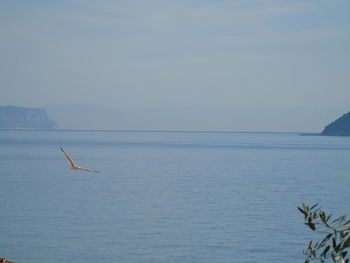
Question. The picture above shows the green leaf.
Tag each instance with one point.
(306, 208)
(311, 225)
(308, 248)
(342, 221)
(324, 253)
(336, 220)
(324, 241)
(302, 211)
(314, 206)
(334, 242)
(313, 252)
(337, 248)
(328, 217)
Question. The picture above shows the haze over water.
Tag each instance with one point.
(166, 196)
(180, 65)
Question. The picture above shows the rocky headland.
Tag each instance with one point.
(340, 127)
(13, 117)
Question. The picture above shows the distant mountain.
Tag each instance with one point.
(13, 117)
(82, 116)
(340, 127)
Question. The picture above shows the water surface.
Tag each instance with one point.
(166, 196)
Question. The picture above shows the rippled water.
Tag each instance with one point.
(165, 196)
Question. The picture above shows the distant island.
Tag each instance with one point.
(13, 117)
(340, 127)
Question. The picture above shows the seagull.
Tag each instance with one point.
(72, 164)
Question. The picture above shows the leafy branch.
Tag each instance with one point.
(336, 242)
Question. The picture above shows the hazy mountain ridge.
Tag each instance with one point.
(340, 127)
(13, 117)
(83, 116)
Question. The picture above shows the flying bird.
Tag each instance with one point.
(73, 166)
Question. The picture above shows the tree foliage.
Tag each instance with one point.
(336, 240)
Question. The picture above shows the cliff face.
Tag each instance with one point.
(12, 117)
(340, 127)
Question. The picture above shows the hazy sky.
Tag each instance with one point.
(224, 65)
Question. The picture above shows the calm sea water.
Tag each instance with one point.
(166, 196)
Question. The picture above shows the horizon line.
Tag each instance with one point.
(157, 131)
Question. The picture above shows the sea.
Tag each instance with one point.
(166, 197)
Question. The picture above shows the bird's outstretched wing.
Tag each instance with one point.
(70, 160)
(87, 169)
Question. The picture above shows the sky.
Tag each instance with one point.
(244, 65)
